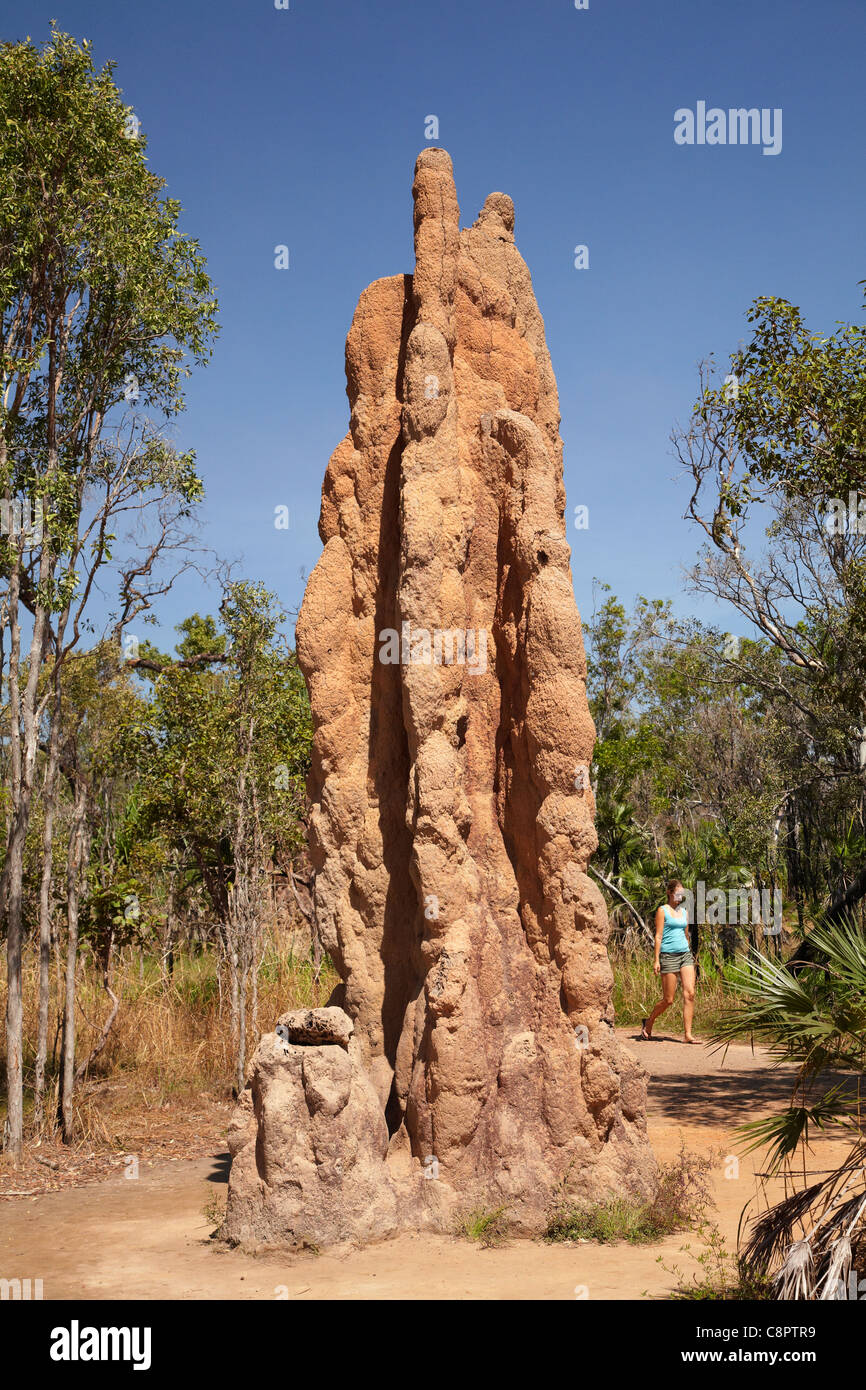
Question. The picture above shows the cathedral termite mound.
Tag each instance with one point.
(452, 818)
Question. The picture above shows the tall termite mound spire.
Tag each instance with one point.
(452, 817)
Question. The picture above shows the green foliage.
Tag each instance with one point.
(814, 1235)
(686, 769)
(722, 1275)
(800, 407)
(104, 303)
(815, 1018)
(616, 687)
(681, 1199)
(720, 760)
(487, 1227)
(190, 742)
(618, 1219)
(199, 635)
(80, 208)
(112, 914)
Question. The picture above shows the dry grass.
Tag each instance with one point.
(172, 1039)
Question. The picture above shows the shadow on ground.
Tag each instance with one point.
(700, 1086)
(221, 1165)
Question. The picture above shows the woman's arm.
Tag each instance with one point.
(660, 926)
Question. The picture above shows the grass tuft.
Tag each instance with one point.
(487, 1228)
(681, 1200)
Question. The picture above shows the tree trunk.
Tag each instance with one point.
(24, 713)
(78, 845)
(241, 1058)
(14, 1135)
(612, 888)
(168, 936)
(10, 894)
(81, 1071)
(49, 797)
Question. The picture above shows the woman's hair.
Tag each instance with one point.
(673, 883)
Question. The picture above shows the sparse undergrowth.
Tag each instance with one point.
(722, 1277)
(487, 1227)
(214, 1213)
(680, 1202)
(171, 1041)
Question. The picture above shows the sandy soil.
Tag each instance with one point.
(150, 1238)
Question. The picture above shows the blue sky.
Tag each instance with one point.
(301, 127)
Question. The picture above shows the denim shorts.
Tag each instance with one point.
(672, 962)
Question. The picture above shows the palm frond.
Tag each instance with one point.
(788, 1129)
(773, 1232)
(796, 1278)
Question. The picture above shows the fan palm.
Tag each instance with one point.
(817, 1020)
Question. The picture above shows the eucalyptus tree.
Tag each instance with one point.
(223, 758)
(779, 447)
(104, 306)
(100, 713)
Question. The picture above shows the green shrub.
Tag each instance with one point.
(488, 1228)
(681, 1199)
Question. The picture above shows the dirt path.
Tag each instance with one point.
(149, 1238)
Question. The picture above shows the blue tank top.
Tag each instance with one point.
(673, 934)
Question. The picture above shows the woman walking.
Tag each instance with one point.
(673, 958)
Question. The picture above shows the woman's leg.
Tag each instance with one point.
(669, 989)
(687, 981)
